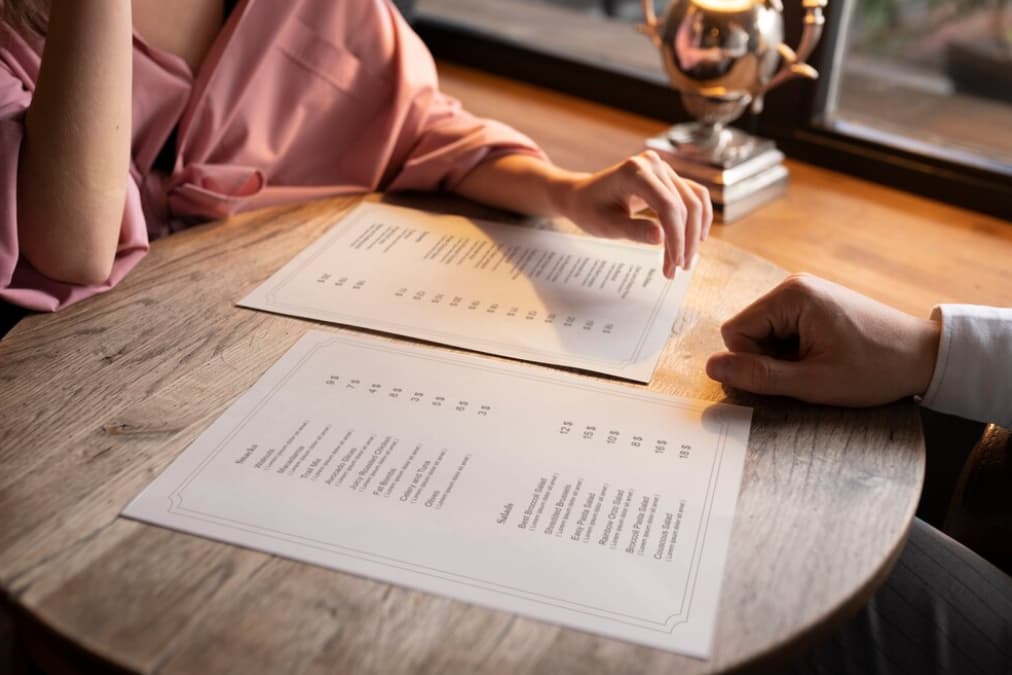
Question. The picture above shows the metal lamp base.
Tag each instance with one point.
(741, 171)
(721, 147)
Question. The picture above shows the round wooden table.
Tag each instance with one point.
(100, 397)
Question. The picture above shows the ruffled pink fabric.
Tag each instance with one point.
(296, 100)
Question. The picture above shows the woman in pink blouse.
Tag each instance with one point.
(122, 121)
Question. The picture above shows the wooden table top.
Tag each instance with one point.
(100, 397)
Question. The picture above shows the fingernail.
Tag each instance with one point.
(716, 370)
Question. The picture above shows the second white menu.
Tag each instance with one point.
(564, 299)
(594, 505)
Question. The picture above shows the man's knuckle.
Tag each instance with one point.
(800, 279)
(800, 283)
(727, 332)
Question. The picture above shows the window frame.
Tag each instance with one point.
(789, 117)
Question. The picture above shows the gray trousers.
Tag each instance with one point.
(944, 609)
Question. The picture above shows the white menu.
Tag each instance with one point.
(598, 506)
(565, 299)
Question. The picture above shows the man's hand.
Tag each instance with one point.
(822, 343)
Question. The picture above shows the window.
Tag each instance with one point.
(896, 101)
(594, 32)
(931, 76)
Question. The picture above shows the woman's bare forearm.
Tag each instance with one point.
(520, 183)
(74, 161)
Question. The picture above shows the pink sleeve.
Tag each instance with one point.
(20, 284)
(446, 141)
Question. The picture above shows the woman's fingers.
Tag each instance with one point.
(694, 219)
(649, 184)
(704, 198)
(687, 207)
(671, 180)
(682, 207)
(642, 230)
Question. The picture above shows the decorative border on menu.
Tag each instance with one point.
(668, 626)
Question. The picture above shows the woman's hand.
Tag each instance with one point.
(822, 343)
(606, 204)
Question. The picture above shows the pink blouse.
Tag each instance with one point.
(296, 100)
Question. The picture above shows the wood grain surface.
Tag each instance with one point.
(99, 398)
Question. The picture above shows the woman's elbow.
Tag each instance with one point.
(85, 261)
(90, 272)
(90, 269)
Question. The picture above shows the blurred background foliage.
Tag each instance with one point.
(917, 32)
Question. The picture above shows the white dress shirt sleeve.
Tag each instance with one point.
(973, 372)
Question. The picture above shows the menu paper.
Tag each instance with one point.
(565, 299)
(590, 504)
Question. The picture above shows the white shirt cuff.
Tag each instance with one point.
(973, 371)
